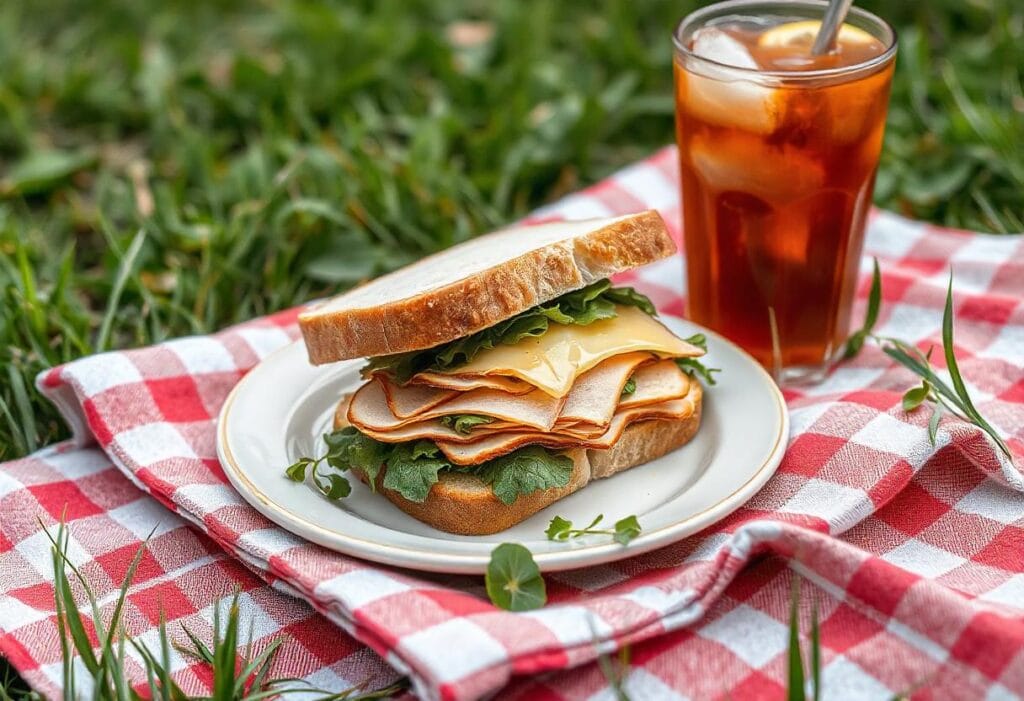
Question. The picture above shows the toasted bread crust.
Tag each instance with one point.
(485, 298)
(463, 504)
(642, 442)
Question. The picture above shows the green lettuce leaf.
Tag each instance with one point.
(413, 468)
(581, 307)
(628, 297)
(348, 448)
(525, 471)
(465, 423)
(630, 387)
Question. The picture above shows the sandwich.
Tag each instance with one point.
(505, 373)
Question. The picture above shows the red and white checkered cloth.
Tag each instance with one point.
(915, 553)
(183, 575)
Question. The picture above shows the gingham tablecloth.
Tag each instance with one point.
(914, 553)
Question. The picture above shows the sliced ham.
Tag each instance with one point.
(495, 445)
(595, 395)
(369, 409)
(657, 382)
(376, 407)
(432, 430)
(464, 383)
(412, 400)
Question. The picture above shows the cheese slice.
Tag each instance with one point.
(552, 361)
(369, 408)
(498, 444)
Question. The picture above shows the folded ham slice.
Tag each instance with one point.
(595, 395)
(406, 402)
(432, 430)
(464, 383)
(536, 410)
(496, 445)
(393, 414)
(592, 400)
(655, 383)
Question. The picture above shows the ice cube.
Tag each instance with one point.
(721, 96)
(855, 111)
(779, 175)
(716, 45)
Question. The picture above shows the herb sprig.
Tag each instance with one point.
(693, 366)
(625, 529)
(942, 396)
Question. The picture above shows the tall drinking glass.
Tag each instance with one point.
(778, 151)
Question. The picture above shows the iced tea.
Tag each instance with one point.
(778, 151)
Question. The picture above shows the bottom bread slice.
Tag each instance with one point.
(461, 503)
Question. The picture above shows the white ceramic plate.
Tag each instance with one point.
(281, 409)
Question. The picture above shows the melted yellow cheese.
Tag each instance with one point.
(552, 362)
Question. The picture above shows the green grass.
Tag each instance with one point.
(171, 168)
(236, 676)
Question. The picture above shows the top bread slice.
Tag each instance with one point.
(478, 283)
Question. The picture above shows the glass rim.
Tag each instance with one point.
(789, 76)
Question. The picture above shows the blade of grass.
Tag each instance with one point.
(815, 652)
(938, 384)
(67, 659)
(856, 340)
(28, 286)
(954, 372)
(15, 430)
(67, 564)
(121, 686)
(125, 270)
(795, 676)
(122, 596)
(24, 405)
(199, 649)
(157, 692)
(933, 423)
(170, 689)
(108, 665)
(73, 619)
(255, 673)
(225, 652)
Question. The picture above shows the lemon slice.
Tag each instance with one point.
(803, 33)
